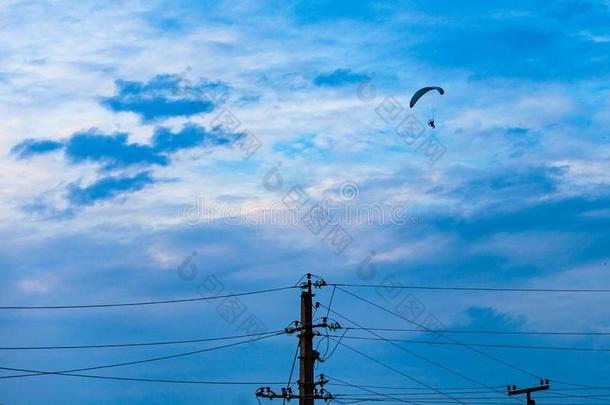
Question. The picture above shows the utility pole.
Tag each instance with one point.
(544, 385)
(308, 391)
(306, 357)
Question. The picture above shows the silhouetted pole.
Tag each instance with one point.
(308, 391)
(544, 385)
(306, 378)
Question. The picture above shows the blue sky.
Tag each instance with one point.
(121, 123)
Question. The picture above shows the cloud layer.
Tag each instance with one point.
(111, 131)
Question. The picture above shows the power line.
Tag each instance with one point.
(119, 345)
(386, 387)
(426, 399)
(581, 386)
(334, 348)
(472, 389)
(499, 289)
(129, 363)
(330, 303)
(503, 346)
(469, 398)
(368, 390)
(132, 304)
(354, 400)
(433, 395)
(172, 381)
(397, 371)
(489, 356)
(415, 391)
(490, 332)
(294, 362)
(419, 356)
(598, 398)
(452, 392)
(201, 340)
(426, 395)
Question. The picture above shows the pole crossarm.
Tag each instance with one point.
(513, 390)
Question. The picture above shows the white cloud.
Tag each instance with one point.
(36, 285)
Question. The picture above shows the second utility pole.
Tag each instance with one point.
(306, 378)
(544, 385)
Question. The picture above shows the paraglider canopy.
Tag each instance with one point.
(423, 91)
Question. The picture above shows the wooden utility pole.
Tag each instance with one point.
(307, 360)
(544, 385)
(308, 388)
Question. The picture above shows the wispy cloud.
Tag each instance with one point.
(108, 187)
(191, 136)
(31, 147)
(338, 78)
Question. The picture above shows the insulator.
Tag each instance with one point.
(322, 380)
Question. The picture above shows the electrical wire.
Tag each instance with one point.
(478, 391)
(119, 345)
(581, 386)
(157, 380)
(142, 303)
(334, 348)
(294, 362)
(330, 303)
(322, 357)
(498, 289)
(129, 363)
(474, 390)
(426, 396)
(492, 332)
(434, 363)
(419, 388)
(489, 356)
(398, 371)
(369, 390)
(486, 402)
(502, 346)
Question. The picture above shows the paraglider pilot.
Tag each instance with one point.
(420, 93)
